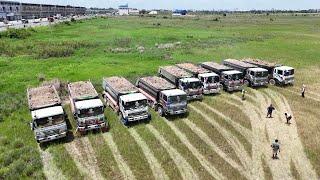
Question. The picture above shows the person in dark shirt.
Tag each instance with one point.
(303, 90)
(275, 149)
(288, 118)
(270, 110)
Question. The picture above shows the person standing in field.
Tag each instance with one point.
(288, 118)
(243, 93)
(303, 90)
(275, 149)
(270, 110)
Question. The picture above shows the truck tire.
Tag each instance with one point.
(246, 83)
(272, 82)
(160, 111)
(123, 121)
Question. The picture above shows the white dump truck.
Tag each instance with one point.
(278, 74)
(183, 80)
(123, 97)
(87, 108)
(163, 95)
(231, 80)
(253, 75)
(210, 80)
(48, 117)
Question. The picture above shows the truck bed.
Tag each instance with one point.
(215, 67)
(41, 97)
(238, 64)
(82, 90)
(177, 72)
(118, 86)
(260, 63)
(192, 68)
(157, 83)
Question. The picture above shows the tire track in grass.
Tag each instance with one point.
(51, 171)
(205, 138)
(205, 163)
(299, 94)
(123, 167)
(155, 166)
(184, 167)
(233, 141)
(291, 142)
(242, 130)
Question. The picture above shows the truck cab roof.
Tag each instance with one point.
(231, 72)
(205, 75)
(87, 104)
(189, 80)
(258, 69)
(284, 68)
(174, 92)
(47, 112)
(133, 97)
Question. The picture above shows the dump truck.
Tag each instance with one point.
(278, 74)
(183, 80)
(87, 107)
(48, 117)
(210, 80)
(231, 80)
(123, 97)
(253, 75)
(163, 95)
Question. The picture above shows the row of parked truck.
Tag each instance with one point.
(167, 93)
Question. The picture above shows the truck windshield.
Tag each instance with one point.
(90, 112)
(135, 104)
(236, 77)
(212, 79)
(194, 85)
(49, 121)
(177, 99)
(289, 72)
(262, 74)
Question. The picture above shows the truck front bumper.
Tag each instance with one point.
(234, 88)
(194, 97)
(138, 117)
(256, 84)
(92, 127)
(176, 112)
(52, 137)
(289, 81)
(211, 91)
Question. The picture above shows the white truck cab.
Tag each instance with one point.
(283, 75)
(211, 83)
(174, 101)
(256, 77)
(134, 107)
(232, 80)
(192, 86)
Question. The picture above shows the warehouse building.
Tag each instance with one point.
(11, 10)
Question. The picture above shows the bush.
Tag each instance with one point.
(16, 33)
(122, 42)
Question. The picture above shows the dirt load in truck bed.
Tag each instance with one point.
(44, 96)
(260, 62)
(216, 66)
(158, 83)
(176, 71)
(120, 84)
(192, 68)
(82, 90)
(239, 63)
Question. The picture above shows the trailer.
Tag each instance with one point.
(278, 74)
(48, 117)
(230, 79)
(253, 75)
(183, 80)
(124, 98)
(210, 80)
(163, 95)
(87, 108)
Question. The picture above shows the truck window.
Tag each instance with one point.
(90, 112)
(261, 74)
(49, 121)
(177, 99)
(236, 77)
(289, 72)
(280, 72)
(135, 104)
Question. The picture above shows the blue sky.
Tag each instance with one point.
(192, 4)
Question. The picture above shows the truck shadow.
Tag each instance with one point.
(177, 117)
(69, 138)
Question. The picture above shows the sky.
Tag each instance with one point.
(191, 4)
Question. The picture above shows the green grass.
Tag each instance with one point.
(81, 51)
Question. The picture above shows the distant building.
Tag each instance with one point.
(10, 10)
(123, 10)
(179, 13)
(133, 11)
(153, 13)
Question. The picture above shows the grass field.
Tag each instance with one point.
(218, 138)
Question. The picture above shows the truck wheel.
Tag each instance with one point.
(246, 83)
(160, 111)
(272, 82)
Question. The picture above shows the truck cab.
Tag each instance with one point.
(172, 102)
(256, 77)
(232, 80)
(210, 82)
(283, 75)
(89, 114)
(192, 86)
(133, 107)
(49, 124)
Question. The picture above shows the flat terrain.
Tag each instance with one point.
(222, 137)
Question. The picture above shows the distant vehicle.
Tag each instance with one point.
(123, 97)
(231, 80)
(51, 19)
(36, 21)
(24, 21)
(86, 106)
(163, 96)
(210, 80)
(183, 80)
(253, 75)
(278, 74)
(48, 117)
